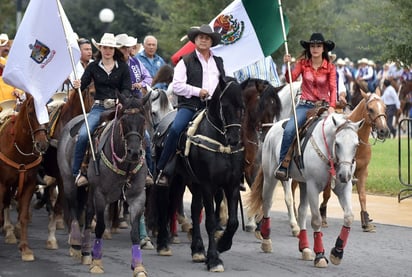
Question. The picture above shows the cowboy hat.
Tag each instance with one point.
(363, 61)
(4, 38)
(125, 40)
(107, 39)
(204, 29)
(340, 62)
(332, 56)
(318, 38)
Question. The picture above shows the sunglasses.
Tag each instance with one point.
(82, 41)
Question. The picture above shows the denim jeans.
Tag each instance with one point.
(83, 139)
(182, 119)
(290, 130)
(148, 150)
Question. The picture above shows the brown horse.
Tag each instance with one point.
(59, 118)
(372, 109)
(405, 97)
(23, 142)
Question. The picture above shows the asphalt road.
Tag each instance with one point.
(384, 253)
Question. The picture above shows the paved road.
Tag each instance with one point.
(385, 253)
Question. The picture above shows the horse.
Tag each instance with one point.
(160, 105)
(405, 97)
(23, 142)
(212, 158)
(328, 156)
(122, 173)
(372, 110)
(59, 114)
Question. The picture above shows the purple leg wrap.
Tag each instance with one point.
(97, 251)
(86, 241)
(75, 236)
(136, 256)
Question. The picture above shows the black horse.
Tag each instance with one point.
(123, 170)
(211, 158)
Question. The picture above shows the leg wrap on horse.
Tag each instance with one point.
(343, 238)
(303, 240)
(136, 256)
(86, 242)
(265, 228)
(75, 235)
(97, 251)
(318, 245)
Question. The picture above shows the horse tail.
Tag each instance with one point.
(254, 201)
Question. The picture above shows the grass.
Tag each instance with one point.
(383, 178)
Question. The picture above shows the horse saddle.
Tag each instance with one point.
(163, 128)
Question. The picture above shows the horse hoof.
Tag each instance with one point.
(295, 230)
(325, 224)
(369, 228)
(52, 244)
(266, 245)
(27, 256)
(174, 239)
(107, 234)
(87, 259)
(139, 271)
(250, 228)
(321, 263)
(307, 254)
(218, 268)
(77, 254)
(123, 225)
(258, 235)
(165, 252)
(198, 257)
(10, 239)
(60, 224)
(189, 235)
(114, 231)
(96, 267)
(335, 260)
(186, 227)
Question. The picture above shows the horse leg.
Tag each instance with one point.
(213, 262)
(136, 208)
(8, 228)
(225, 242)
(324, 204)
(97, 251)
(197, 246)
(162, 203)
(51, 242)
(289, 200)
(304, 246)
(24, 205)
(267, 195)
(367, 226)
(345, 201)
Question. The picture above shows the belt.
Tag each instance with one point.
(100, 102)
(307, 102)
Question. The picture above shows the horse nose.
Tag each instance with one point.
(384, 133)
(134, 154)
(41, 146)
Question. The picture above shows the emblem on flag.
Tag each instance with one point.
(230, 29)
(39, 51)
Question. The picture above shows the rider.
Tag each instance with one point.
(110, 73)
(195, 79)
(318, 84)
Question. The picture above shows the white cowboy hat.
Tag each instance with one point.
(125, 40)
(363, 61)
(4, 38)
(332, 56)
(107, 39)
(340, 62)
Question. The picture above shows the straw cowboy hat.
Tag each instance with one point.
(340, 62)
(125, 40)
(107, 39)
(318, 38)
(204, 29)
(4, 39)
(363, 61)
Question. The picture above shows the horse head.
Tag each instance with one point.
(131, 123)
(344, 148)
(225, 110)
(376, 110)
(27, 121)
(160, 105)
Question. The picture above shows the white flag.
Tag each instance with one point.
(39, 60)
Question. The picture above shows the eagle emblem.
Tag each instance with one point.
(229, 28)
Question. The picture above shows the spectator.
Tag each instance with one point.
(148, 56)
(391, 100)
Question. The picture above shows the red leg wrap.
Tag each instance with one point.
(173, 224)
(265, 228)
(344, 234)
(303, 240)
(318, 247)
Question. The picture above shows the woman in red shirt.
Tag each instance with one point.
(318, 84)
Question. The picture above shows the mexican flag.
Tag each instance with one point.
(251, 30)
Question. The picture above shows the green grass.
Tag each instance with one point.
(383, 178)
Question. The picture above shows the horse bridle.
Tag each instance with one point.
(373, 120)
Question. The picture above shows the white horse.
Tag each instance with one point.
(331, 146)
(161, 105)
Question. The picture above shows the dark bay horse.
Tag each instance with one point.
(212, 159)
(23, 142)
(59, 116)
(122, 176)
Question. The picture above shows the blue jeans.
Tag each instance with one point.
(83, 139)
(148, 154)
(290, 130)
(182, 119)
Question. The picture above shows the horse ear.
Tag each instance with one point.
(360, 123)
(146, 97)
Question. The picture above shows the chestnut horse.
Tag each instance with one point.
(23, 142)
(59, 117)
(405, 97)
(372, 109)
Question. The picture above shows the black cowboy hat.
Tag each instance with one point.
(318, 38)
(204, 29)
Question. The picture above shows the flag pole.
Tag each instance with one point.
(290, 78)
(96, 168)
